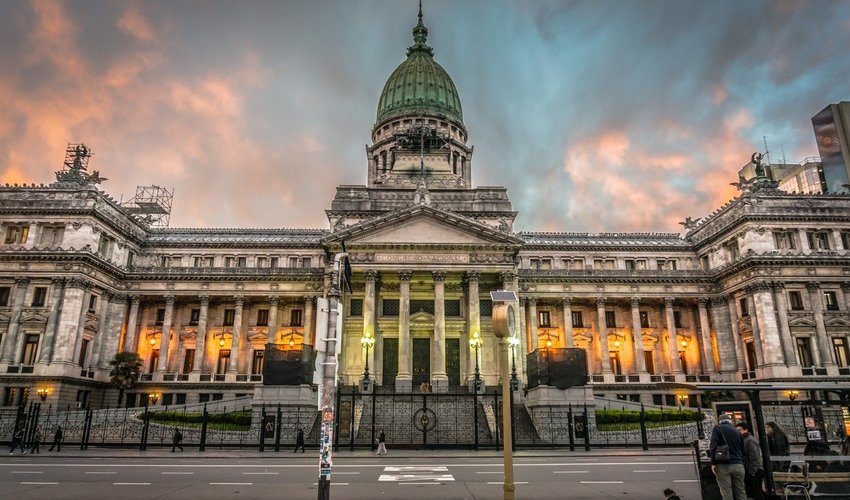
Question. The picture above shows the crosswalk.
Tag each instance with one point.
(414, 474)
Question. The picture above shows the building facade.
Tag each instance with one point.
(757, 290)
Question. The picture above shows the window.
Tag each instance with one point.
(209, 261)
(796, 300)
(422, 306)
(616, 366)
(229, 261)
(573, 263)
(649, 361)
(30, 349)
(223, 361)
(732, 249)
(485, 307)
(390, 307)
(241, 261)
(830, 301)
(262, 317)
(644, 319)
(188, 361)
(703, 263)
(160, 317)
(203, 398)
(640, 264)
(17, 235)
(180, 398)
(51, 236)
(610, 319)
(630, 264)
(683, 361)
(545, 264)
(306, 262)
(293, 262)
(842, 353)
(677, 319)
(197, 261)
(5, 291)
(452, 308)
(658, 399)
(666, 264)
(262, 262)
(752, 360)
(165, 261)
(104, 245)
(194, 317)
(39, 296)
(845, 240)
(258, 362)
(92, 303)
(804, 351)
(578, 322)
(84, 350)
(273, 262)
(229, 317)
(167, 399)
(130, 257)
(543, 319)
(604, 264)
(745, 310)
(153, 362)
(355, 307)
(295, 317)
(784, 240)
(818, 240)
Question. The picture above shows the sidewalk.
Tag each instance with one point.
(156, 452)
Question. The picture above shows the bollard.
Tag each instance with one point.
(205, 417)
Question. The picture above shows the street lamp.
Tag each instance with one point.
(154, 397)
(792, 395)
(513, 342)
(475, 342)
(683, 398)
(367, 341)
(42, 393)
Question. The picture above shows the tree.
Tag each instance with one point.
(126, 367)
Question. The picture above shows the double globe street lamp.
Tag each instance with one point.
(367, 341)
(476, 342)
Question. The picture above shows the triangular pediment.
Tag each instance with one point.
(422, 225)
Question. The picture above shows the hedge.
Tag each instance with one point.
(236, 417)
(633, 416)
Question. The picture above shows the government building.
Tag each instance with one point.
(758, 290)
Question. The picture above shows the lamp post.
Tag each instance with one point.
(792, 395)
(683, 398)
(513, 342)
(475, 342)
(154, 397)
(367, 341)
(42, 393)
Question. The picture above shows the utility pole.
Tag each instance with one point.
(328, 393)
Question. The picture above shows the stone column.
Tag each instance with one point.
(274, 301)
(533, 336)
(728, 362)
(177, 348)
(754, 321)
(845, 288)
(369, 316)
(404, 378)
(672, 340)
(804, 241)
(72, 310)
(440, 380)
(131, 339)
(600, 339)
(785, 337)
(736, 333)
(309, 312)
(836, 237)
(10, 340)
(201, 336)
(705, 337)
(660, 355)
(637, 334)
(165, 337)
(824, 346)
(46, 354)
(118, 309)
(568, 322)
(236, 342)
(474, 320)
(99, 339)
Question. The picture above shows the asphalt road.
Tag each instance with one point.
(283, 476)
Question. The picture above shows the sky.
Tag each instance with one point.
(598, 116)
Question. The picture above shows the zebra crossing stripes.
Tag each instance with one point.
(416, 474)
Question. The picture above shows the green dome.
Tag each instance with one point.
(419, 84)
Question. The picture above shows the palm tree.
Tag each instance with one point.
(126, 367)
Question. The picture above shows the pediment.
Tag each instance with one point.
(836, 319)
(33, 317)
(422, 225)
(421, 317)
(800, 321)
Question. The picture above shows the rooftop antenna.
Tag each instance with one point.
(782, 147)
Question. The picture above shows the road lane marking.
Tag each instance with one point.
(601, 482)
(499, 482)
(340, 484)
(649, 470)
(685, 480)
(232, 484)
(416, 473)
(131, 484)
(570, 472)
(336, 466)
(177, 473)
(260, 473)
(37, 482)
(26, 472)
(99, 472)
(490, 472)
(347, 473)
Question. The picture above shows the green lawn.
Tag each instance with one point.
(634, 426)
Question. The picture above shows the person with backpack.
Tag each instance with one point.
(36, 441)
(727, 459)
(18, 439)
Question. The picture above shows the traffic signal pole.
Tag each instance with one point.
(328, 394)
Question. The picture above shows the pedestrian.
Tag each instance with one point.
(36, 440)
(177, 440)
(752, 463)
(382, 443)
(727, 459)
(777, 441)
(299, 440)
(18, 439)
(669, 494)
(57, 439)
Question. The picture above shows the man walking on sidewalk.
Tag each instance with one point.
(382, 443)
(299, 440)
(177, 440)
(727, 459)
(18, 439)
(57, 439)
(36, 440)
(752, 463)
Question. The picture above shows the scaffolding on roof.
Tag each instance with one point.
(151, 205)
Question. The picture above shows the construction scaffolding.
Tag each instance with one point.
(151, 205)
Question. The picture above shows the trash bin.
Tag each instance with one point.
(702, 461)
